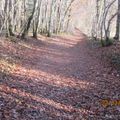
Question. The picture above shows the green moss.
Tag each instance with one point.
(107, 42)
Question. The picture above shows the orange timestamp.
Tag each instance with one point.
(106, 103)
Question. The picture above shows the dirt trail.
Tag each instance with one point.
(58, 80)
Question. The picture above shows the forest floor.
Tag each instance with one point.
(56, 79)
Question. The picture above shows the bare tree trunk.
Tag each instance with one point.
(68, 21)
(108, 42)
(64, 16)
(117, 35)
(26, 29)
(10, 26)
(5, 17)
(36, 22)
(49, 23)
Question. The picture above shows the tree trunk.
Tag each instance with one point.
(117, 35)
(49, 23)
(10, 26)
(26, 29)
(36, 22)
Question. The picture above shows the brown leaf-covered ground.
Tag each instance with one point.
(55, 79)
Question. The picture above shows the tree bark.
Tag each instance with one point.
(36, 22)
(117, 35)
(26, 29)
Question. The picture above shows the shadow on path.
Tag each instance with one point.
(55, 79)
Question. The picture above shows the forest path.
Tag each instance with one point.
(58, 79)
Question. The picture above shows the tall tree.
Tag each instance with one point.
(117, 35)
(50, 16)
(36, 20)
(27, 26)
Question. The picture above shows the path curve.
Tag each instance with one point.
(59, 80)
